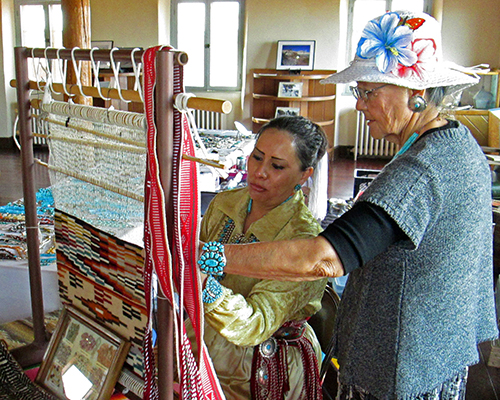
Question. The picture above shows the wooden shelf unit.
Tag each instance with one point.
(317, 102)
(477, 120)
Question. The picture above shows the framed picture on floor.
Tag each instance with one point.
(83, 360)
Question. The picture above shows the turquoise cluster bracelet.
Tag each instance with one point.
(212, 291)
(213, 259)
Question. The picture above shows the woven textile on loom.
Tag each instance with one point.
(97, 163)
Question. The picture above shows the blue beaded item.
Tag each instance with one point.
(212, 291)
(213, 259)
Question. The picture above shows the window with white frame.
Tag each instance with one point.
(39, 23)
(211, 33)
(361, 11)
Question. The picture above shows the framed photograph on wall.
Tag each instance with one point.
(290, 89)
(83, 360)
(296, 54)
(286, 111)
(102, 44)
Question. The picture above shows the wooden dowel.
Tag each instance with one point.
(196, 103)
(209, 104)
(92, 181)
(210, 163)
(91, 131)
(90, 91)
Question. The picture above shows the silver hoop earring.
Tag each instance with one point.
(417, 104)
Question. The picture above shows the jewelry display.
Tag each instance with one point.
(13, 229)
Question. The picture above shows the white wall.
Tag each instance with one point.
(128, 23)
(471, 33)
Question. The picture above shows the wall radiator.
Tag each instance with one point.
(209, 120)
(367, 146)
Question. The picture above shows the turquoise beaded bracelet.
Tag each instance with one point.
(213, 259)
(212, 291)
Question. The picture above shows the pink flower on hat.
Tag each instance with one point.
(425, 49)
(388, 42)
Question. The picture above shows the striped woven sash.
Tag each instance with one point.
(175, 263)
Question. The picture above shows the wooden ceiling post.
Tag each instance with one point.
(76, 33)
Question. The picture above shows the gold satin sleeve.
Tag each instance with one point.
(251, 310)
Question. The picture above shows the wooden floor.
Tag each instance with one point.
(484, 381)
(11, 187)
(341, 179)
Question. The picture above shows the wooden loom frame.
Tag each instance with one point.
(164, 101)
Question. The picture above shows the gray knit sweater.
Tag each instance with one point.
(412, 317)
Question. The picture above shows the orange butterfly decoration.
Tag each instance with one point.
(414, 23)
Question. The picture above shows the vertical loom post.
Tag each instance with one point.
(32, 353)
(164, 98)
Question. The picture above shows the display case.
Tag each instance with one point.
(480, 98)
(278, 92)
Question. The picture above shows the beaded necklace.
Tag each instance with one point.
(227, 231)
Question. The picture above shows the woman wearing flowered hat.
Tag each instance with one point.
(417, 244)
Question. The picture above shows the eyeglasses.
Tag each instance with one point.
(362, 94)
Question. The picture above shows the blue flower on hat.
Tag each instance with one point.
(388, 42)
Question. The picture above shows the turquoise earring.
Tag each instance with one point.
(297, 187)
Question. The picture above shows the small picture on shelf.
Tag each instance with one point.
(295, 54)
(290, 89)
(286, 111)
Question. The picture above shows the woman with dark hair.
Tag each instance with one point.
(417, 244)
(256, 330)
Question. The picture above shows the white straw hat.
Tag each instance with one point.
(403, 48)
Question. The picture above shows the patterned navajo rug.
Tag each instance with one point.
(101, 275)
